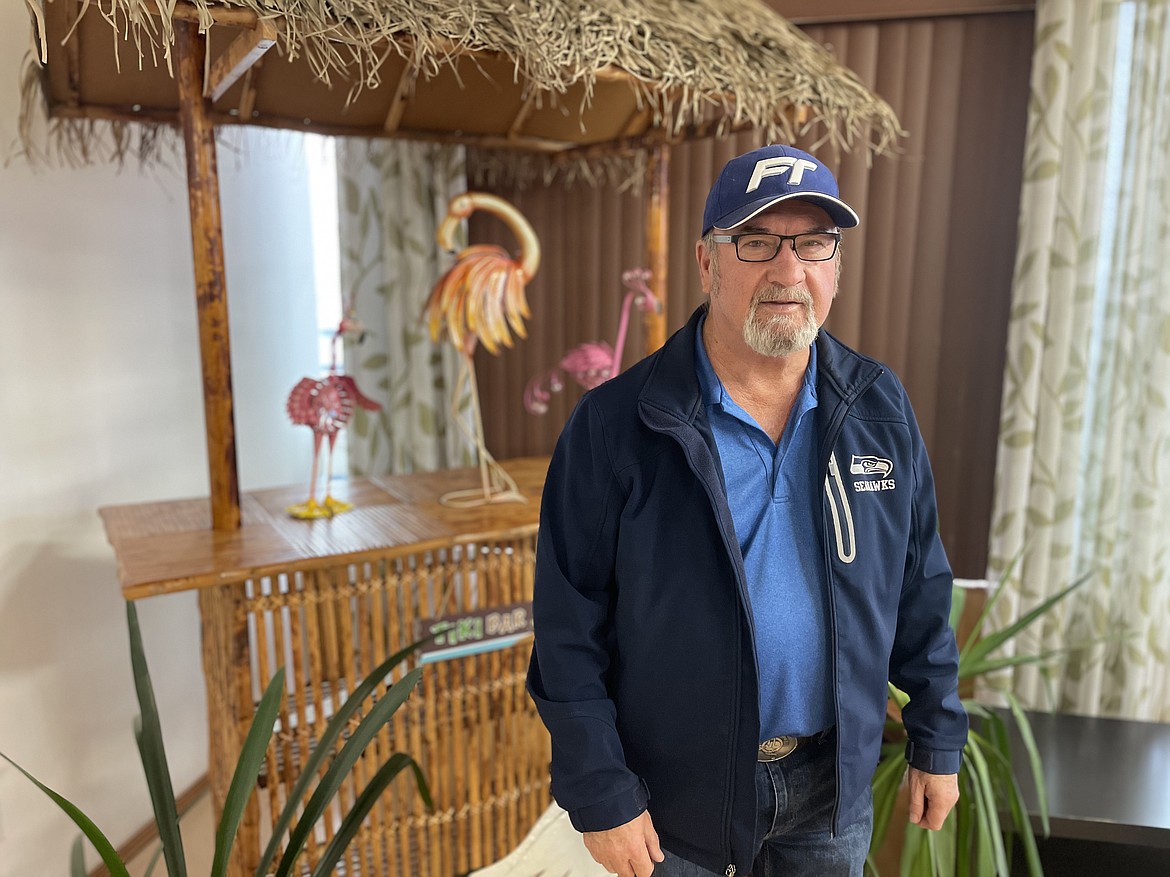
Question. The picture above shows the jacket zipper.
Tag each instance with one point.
(741, 589)
(834, 472)
(846, 537)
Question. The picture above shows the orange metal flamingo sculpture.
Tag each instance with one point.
(593, 362)
(325, 406)
(481, 300)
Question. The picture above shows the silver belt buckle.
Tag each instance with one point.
(777, 748)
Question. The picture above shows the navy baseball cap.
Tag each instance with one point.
(751, 183)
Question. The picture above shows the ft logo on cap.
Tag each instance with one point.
(773, 167)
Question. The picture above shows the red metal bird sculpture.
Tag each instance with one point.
(325, 405)
(593, 362)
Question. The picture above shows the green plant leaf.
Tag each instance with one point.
(887, 779)
(963, 834)
(154, 860)
(915, 853)
(325, 745)
(979, 668)
(341, 764)
(958, 601)
(77, 857)
(897, 695)
(1000, 766)
(247, 769)
(156, 856)
(148, 734)
(986, 801)
(982, 856)
(942, 847)
(101, 843)
(994, 595)
(1024, 832)
(987, 644)
(362, 806)
(974, 708)
(1024, 727)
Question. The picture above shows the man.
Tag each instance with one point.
(738, 548)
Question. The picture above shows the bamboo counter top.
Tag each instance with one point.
(167, 547)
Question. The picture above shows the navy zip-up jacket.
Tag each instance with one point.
(644, 666)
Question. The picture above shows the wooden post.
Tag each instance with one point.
(210, 283)
(657, 244)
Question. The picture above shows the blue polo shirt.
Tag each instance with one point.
(773, 491)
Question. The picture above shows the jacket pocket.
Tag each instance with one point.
(841, 512)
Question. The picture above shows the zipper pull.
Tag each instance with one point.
(833, 465)
(730, 872)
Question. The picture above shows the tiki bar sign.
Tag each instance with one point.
(472, 633)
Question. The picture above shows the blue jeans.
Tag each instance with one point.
(793, 825)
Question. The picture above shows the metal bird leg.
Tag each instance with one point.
(496, 485)
(334, 505)
(310, 508)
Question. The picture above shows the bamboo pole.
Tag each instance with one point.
(210, 282)
(657, 245)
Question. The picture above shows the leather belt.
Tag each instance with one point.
(782, 747)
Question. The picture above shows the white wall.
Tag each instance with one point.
(100, 403)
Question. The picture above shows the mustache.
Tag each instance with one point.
(774, 292)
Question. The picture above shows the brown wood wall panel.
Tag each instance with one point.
(926, 278)
(981, 255)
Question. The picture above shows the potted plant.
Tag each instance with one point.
(971, 841)
(148, 734)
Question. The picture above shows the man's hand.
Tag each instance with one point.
(629, 850)
(931, 797)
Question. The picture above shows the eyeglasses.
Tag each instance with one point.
(813, 246)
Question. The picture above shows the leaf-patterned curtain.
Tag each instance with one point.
(1083, 472)
(393, 196)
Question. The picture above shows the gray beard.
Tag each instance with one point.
(780, 334)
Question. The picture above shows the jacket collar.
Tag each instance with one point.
(673, 384)
(844, 370)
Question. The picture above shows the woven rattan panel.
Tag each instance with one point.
(470, 724)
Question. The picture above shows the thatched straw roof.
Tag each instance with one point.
(575, 79)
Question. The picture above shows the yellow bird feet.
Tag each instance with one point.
(473, 497)
(309, 510)
(312, 509)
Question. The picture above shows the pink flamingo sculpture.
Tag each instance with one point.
(481, 299)
(593, 362)
(325, 406)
